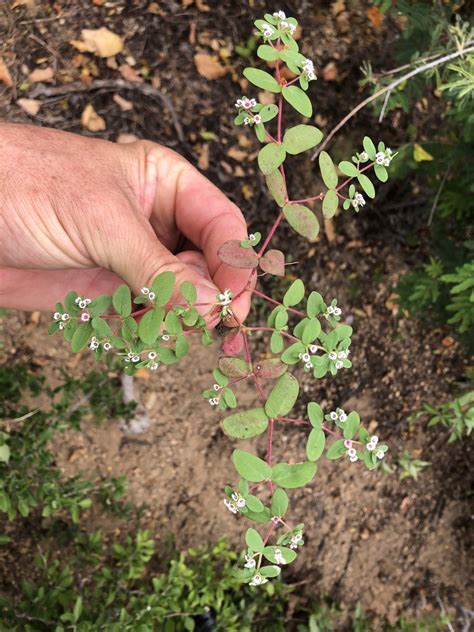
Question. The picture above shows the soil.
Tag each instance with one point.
(395, 547)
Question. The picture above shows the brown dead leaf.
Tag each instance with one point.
(192, 33)
(130, 74)
(329, 229)
(41, 74)
(155, 9)
(203, 162)
(208, 66)
(123, 139)
(391, 304)
(266, 98)
(330, 71)
(123, 104)
(448, 342)
(244, 140)
(101, 42)
(143, 374)
(30, 106)
(91, 120)
(247, 192)
(35, 318)
(338, 7)
(5, 75)
(111, 62)
(202, 6)
(237, 154)
(375, 16)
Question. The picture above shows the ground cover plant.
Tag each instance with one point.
(306, 332)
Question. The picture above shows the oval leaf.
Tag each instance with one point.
(315, 414)
(348, 168)
(336, 450)
(330, 203)
(270, 157)
(271, 368)
(301, 138)
(282, 396)
(298, 99)
(122, 301)
(276, 186)
(250, 466)
(246, 424)
(294, 294)
(367, 185)
(262, 79)
(233, 367)
(150, 325)
(163, 286)
(291, 475)
(273, 262)
(302, 220)
(315, 444)
(279, 503)
(254, 541)
(328, 170)
(232, 253)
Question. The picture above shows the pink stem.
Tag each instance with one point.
(276, 223)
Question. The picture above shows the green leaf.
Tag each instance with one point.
(188, 292)
(150, 325)
(163, 286)
(4, 453)
(254, 503)
(279, 503)
(315, 304)
(288, 554)
(366, 184)
(301, 138)
(233, 367)
(330, 203)
(77, 610)
(315, 444)
(369, 147)
(4, 539)
(250, 466)
(282, 396)
(328, 170)
(246, 424)
(262, 79)
(267, 52)
(270, 157)
(259, 129)
(294, 294)
(348, 168)
(291, 475)
(101, 327)
(254, 541)
(181, 350)
(351, 425)
(381, 173)
(268, 112)
(81, 336)
(276, 186)
(298, 99)
(315, 414)
(122, 301)
(302, 220)
(100, 305)
(336, 450)
(311, 331)
(276, 342)
(173, 324)
(270, 571)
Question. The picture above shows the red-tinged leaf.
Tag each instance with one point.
(273, 262)
(232, 253)
(233, 367)
(233, 343)
(271, 368)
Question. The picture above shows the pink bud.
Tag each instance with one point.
(348, 443)
(85, 317)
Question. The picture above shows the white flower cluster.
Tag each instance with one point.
(372, 445)
(258, 580)
(296, 541)
(364, 156)
(132, 357)
(225, 299)
(351, 452)
(384, 157)
(146, 292)
(338, 415)
(279, 559)
(237, 502)
(82, 302)
(283, 24)
(358, 200)
(245, 103)
(308, 70)
(333, 310)
(153, 365)
(306, 357)
(338, 357)
(63, 318)
(214, 401)
(249, 562)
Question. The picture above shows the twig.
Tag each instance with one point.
(41, 90)
(438, 193)
(389, 89)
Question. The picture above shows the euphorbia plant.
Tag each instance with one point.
(305, 331)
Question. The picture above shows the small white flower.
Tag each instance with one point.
(212, 401)
(341, 355)
(85, 317)
(374, 439)
(313, 348)
(82, 304)
(136, 358)
(330, 309)
(380, 454)
(267, 30)
(333, 355)
(216, 387)
(225, 297)
(145, 290)
(380, 157)
(61, 325)
(334, 416)
(306, 357)
(348, 443)
(154, 366)
(308, 366)
(78, 300)
(284, 24)
(152, 355)
(371, 446)
(165, 337)
(353, 459)
(352, 452)
(257, 119)
(230, 506)
(93, 345)
(249, 562)
(57, 316)
(279, 14)
(88, 301)
(339, 364)
(308, 70)
(337, 311)
(386, 162)
(296, 540)
(279, 557)
(238, 499)
(107, 346)
(364, 156)
(65, 317)
(246, 120)
(151, 296)
(258, 580)
(238, 104)
(359, 199)
(342, 416)
(276, 519)
(252, 237)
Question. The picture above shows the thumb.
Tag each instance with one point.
(139, 257)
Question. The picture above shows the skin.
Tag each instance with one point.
(87, 214)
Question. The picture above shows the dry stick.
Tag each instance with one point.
(41, 90)
(388, 89)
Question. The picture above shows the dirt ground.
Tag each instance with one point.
(394, 547)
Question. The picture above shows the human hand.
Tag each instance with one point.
(86, 214)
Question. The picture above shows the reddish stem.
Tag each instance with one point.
(276, 223)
